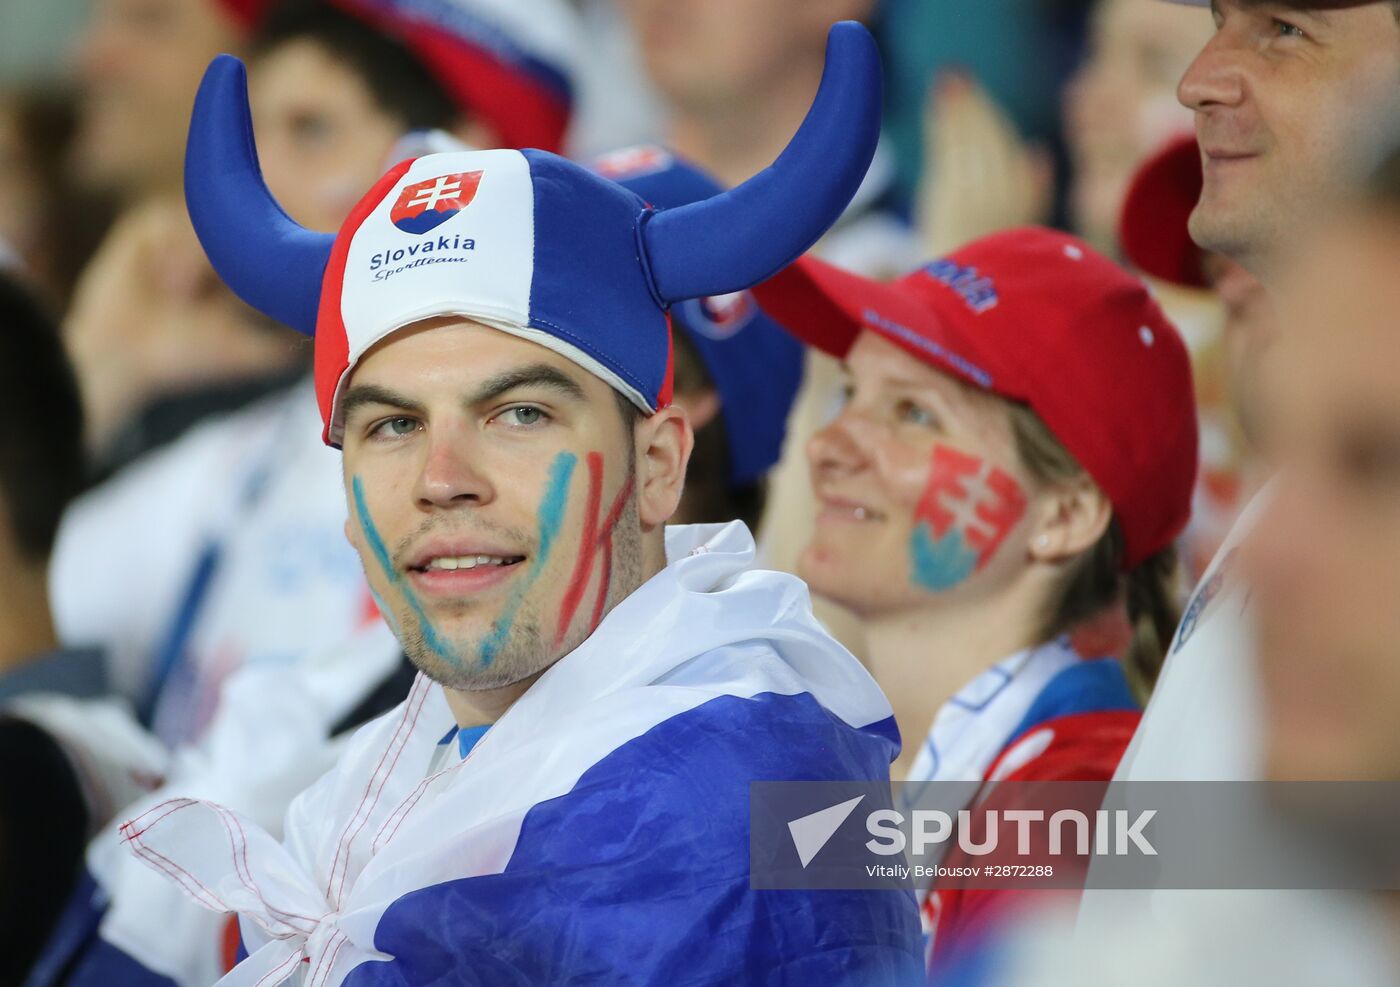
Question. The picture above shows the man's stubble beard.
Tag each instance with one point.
(526, 650)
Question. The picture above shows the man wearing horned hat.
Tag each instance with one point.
(564, 795)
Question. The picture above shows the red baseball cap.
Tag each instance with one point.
(1038, 317)
(1153, 226)
(509, 62)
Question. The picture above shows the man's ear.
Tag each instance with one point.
(663, 442)
(1071, 519)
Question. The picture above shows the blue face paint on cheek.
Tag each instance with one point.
(939, 564)
(381, 554)
(549, 516)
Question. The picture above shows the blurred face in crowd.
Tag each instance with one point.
(923, 498)
(708, 54)
(322, 138)
(498, 498)
(139, 64)
(1283, 95)
(1121, 104)
(1324, 560)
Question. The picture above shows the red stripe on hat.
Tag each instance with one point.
(668, 386)
(332, 344)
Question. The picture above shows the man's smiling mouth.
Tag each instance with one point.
(452, 563)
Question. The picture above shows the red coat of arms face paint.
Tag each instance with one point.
(424, 206)
(967, 509)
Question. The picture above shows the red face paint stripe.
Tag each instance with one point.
(596, 538)
(573, 595)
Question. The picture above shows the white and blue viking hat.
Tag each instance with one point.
(523, 241)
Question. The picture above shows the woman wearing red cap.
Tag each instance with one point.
(1014, 460)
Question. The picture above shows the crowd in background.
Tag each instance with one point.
(184, 561)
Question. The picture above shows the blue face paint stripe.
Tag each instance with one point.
(381, 553)
(376, 544)
(550, 517)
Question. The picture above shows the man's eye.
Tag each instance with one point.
(1287, 30)
(523, 417)
(393, 427)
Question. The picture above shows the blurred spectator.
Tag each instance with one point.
(139, 62)
(1321, 561)
(1020, 52)
(735, 78)
(40, 469)
(1154, 236)
(1287, 102)
(52, 226)
(1305, 130)
(1016, 453)
(157, 341)
(617, 105)
(36, 38)
(43, 819)
(1121, 104)
(979, 176)
(335, 85)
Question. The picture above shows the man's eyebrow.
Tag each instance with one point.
(533, 375)
(363, 394)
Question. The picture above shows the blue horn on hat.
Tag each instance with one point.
(751, 232)
(269, 261)
(722, 244)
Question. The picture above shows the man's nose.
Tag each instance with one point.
(1216, 77)
(452, 474)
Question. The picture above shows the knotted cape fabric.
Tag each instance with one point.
(598, 832)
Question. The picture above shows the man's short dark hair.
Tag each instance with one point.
(710, 496)
(398, 81)
(41, 423)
